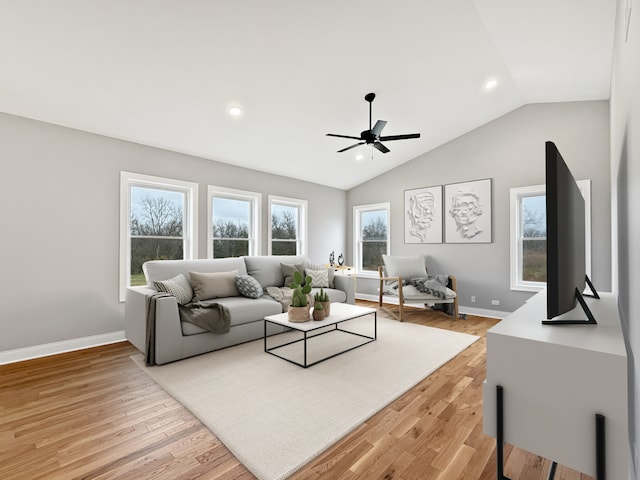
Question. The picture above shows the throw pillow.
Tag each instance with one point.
(177, 286)
(319, 278)
(287, 271)
(311, 266)
(213, 285)
(405, 267)
(248, 286)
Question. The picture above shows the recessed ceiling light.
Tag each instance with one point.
(491, 84)
(360, 157)
(235, 111)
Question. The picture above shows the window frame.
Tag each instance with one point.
(302, 232)
(255, 224)
(358, 210)
(190, 218)
(516, 195)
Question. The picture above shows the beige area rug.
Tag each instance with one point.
(275, 416)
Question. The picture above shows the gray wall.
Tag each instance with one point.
(625, 188)
(59, 192)
(509, 150)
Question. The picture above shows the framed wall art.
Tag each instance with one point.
(423, 215)
(467, 212)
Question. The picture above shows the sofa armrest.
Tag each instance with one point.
(347, 285)
(169, 345)
(135, 315)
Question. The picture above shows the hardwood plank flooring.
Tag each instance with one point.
(93, 414)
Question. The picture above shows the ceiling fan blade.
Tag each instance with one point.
(350, 147)
(400, 137)
(377, 129)
(342, 136)
(380, 147)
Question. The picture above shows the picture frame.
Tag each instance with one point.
(423, 215)
(467, 212)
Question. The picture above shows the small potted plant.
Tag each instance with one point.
(299, 307)
(318, 311)
(323, 298)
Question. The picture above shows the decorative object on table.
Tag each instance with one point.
(322, 298)
(340, 259)
(468, 212)
(423, 215)
(332, 258)
(318, 311)
(299, 308)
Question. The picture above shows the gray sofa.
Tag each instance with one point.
(176, 340)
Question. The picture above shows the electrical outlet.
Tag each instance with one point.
(473, 299)
(495, 302)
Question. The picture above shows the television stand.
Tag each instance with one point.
(591, 320)
(556, 383)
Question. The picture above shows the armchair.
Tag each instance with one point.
(406, 279)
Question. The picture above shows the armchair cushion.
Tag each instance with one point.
(405, 267)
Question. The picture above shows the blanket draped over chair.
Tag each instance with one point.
(208, 315)
(435, 285)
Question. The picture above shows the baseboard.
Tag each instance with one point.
(480, 312)
(37, 351)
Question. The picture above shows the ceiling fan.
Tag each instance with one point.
(372, 136)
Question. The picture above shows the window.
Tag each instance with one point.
(371, 236)
(234, 222)
(529, 236)
(157, 222)
(287, 226)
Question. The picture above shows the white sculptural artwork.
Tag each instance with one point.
(420, 213)
(468, 212)
(423, 215)
(465, 210)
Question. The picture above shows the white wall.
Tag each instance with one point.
(509, 150)
(625, 190)
(59, 192)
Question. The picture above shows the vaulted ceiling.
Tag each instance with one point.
(165, 72)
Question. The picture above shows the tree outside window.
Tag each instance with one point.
(287, 227)
(374, 239)
(157, 222)
(157, 225)
(231, 219)
(284, 230)
(371, 234)
(534, 239)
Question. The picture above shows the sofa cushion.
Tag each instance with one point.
(334, 294)
(405, 267)
(156, 270)
(248, 286)
(319, 278)
(330, 270)
(177, 286)
(289, 269)
(267, 270)
(241, 309)
(213, 285)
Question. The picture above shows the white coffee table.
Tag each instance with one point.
(340, 313)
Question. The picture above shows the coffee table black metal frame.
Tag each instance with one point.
(307, 334)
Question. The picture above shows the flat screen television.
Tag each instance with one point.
(566, 275)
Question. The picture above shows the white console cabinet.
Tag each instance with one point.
(555, 379)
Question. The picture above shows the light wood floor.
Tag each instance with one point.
(94, 414)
